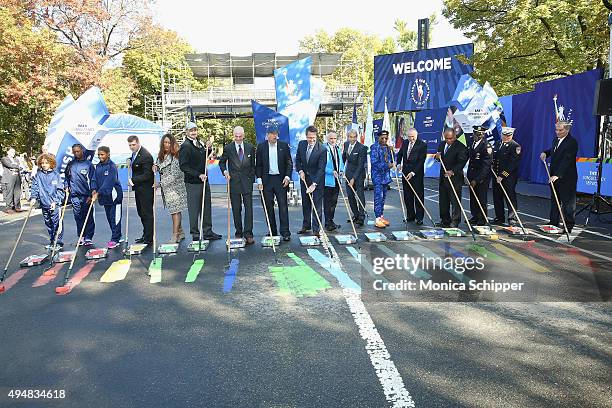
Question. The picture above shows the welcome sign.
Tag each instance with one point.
(417, 80)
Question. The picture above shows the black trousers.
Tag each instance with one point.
(566, 192)
(481, 190)
(330, 201)
(309, 217)
(446, 197)
(144, 207)
(238, 200)
(356, 208)
(194, 207)
(274, 188)
(499, 199)
(414, 210)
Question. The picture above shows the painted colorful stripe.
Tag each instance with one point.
(428, 253)
(519, 258)
(485, 253)
(117, 271)
(13, 279)
(79, 275)
(47, 276)
(299, 280)
(343, 279)
(155, 270)
(230, 276)
(194, 271)
(419, 273)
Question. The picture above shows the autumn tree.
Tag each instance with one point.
(522, 42)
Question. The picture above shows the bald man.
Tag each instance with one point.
(238, 166)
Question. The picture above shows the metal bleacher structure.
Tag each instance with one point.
(233, 81)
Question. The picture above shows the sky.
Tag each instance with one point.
(242, 27)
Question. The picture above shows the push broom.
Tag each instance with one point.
(66, 288)
(348, 210)
(331, 253)
(554, 190)
(121, 266)
(419, 199)
(2, 287)
(509, 202)
(155, 268)
(356, 197)
(59, 229)
(269, 227)
(494, 234)
(198, 264)
(458, 200)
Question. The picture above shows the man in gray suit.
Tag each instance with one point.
(355, 159)
(11, 181)
(238, 166)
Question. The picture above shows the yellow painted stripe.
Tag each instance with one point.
(520, 258)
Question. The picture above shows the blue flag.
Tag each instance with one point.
(263, 117)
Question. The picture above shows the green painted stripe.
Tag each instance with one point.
(155, 269)
(299, 280)
(194, 271)
(485, 253)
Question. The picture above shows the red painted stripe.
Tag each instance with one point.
(542, 254)
(79, 276)
(13, 279)
(47, 276)
(579, 257)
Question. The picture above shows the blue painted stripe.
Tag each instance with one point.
(230, 276)
(343, 279)
(419, 273)
(429, 253)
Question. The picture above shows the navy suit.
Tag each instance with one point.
(563, 165)
(314, 170)
(355, 166)
(413, 163)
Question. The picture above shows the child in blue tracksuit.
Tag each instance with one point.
(47, 189)
(78, 175)
(107, 190)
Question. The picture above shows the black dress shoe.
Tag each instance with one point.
(419, 222)
(512, 223)
(212, 236)
(330, 228)
(140, 240)
(250, 241)
(237, 235)
(442, 225)
(498, 221)
(287, 238)
(454, 225)
(303, 231)
(409, 219)
(359, 223)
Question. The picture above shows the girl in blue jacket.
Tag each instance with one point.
(47, 189)
(107, 190)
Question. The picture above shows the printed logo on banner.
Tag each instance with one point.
(420, 92)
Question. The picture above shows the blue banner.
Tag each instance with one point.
(263, 117)
(534, 116)
(417, 80)
(430, 124)
(587, 177)
(292, 83)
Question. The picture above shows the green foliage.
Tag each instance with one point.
(118, 90)
(521, 42)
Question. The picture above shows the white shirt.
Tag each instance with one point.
(273, 157)
(559, 142)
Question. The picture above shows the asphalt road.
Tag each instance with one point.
(301, 336)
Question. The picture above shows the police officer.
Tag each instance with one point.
(506, 159)
(479, 170)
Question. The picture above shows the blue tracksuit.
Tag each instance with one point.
(106, 182)
(47, 189)
(77, 179)
(380, 157)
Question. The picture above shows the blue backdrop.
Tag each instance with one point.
(533, 116)
(416, 80)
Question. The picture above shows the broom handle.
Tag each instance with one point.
(154, 221)
(457, 198)
(229, 204)
(59, 226)
(346, 205)
(554, 190)
(355, 194)
(418, 199)
(267, 218)
(399, 190)
(484, 214)
(201, 218)
(321, 229)
(76, 249)
(17, 242)
(509, 201)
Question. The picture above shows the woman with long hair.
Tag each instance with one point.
(172, 183)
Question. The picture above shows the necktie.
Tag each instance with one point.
(240, 153)
(335, 156)
(308, 153)
(446, 148)
(409, 150)
(350, 150)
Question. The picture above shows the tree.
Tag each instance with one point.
(522, 42)
(119, 90)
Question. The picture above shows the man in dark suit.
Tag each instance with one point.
(412, 158)
(454, 154)
(506, 159)
(11, 181)
(480, 154)
(238, 166)
(192, 160)
(142, 181)
(355, 157)
(563, 174)
(310, 161)
(273, 168)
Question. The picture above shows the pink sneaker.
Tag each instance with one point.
(112, 244)
(87, 242)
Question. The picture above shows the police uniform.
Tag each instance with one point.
(479, 170)
(506, 159)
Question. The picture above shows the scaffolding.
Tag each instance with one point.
(232, 85)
